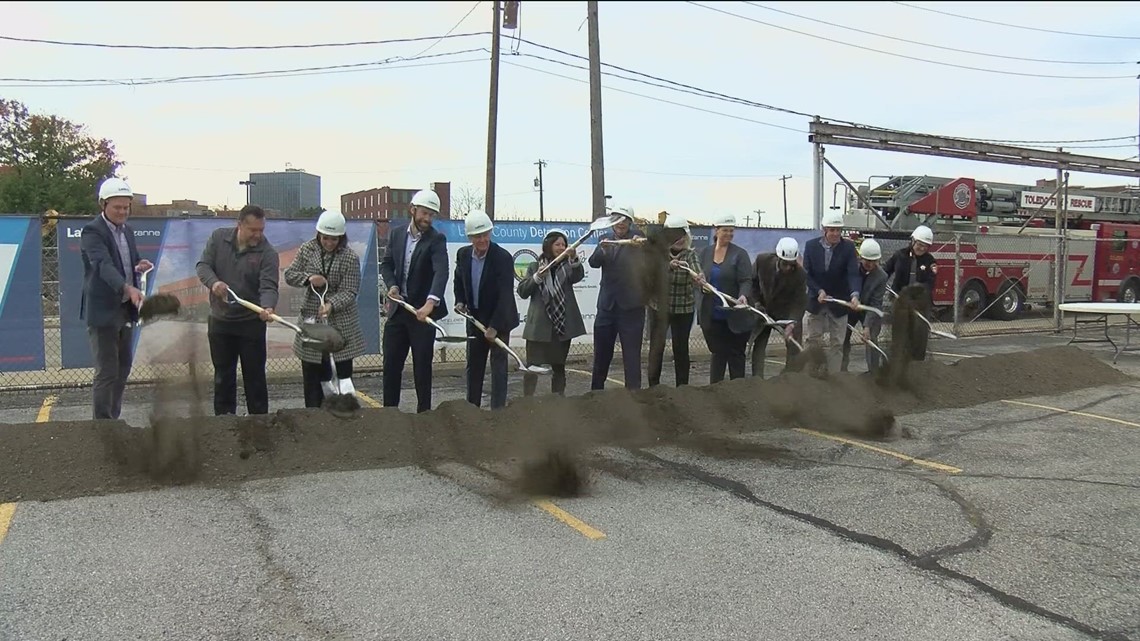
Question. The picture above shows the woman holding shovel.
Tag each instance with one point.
(553, 318)
(329, 273)
(726, 267)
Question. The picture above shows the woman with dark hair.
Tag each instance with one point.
(553, 318)
(726, 266)
(326, 266)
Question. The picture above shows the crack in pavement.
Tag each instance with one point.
(983, 531)
(928, 562)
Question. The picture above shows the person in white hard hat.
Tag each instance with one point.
(726, 266)
(554, 318)
(240, 258)
(914, 265)
(484, 289)
(874, 290)
(673, 317)
(621, 303)
(326, 266)
(415, 269)
(779, 286)
(832, 268)
(111, 295)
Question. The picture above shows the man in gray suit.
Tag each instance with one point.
(111, 295)
(621, 304)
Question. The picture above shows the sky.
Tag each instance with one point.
(406, 121)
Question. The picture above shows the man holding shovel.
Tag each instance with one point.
(832, 271)
(621, 304)
(111, 295)
(915, 266)
(780, 287)
(242, 259)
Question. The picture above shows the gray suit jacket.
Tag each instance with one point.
(103, 280)
(735, 280)
(538, 325)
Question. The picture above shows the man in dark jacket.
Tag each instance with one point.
(915, 265)
(484, 289)
(832, 271)
(780, 287)
(621, 303)
(111, 296)
(415, 271)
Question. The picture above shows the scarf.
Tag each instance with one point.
(553, 292)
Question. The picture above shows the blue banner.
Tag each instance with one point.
(755, 241)
(174, 246)
(21, 302)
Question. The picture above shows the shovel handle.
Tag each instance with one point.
(497, 341)
(565, 252)
(258, 310)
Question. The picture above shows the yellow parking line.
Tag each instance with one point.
(44, 415)
(368, 400)
(6, 512)
(955, 355)
(585, 373)
(941, 467)
(1074, 412)
(569, 519)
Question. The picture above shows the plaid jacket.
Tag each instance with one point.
(343, 274)
(682, 290)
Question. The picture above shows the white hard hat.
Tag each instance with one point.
(788, 249)
(870, 250)
(331, 223)
(923, 234)
(676, 221)
(832, 219)
(426, 198)
(727, 220)
(477, 222)
(556, 230)
(113, 187)
(623, 211)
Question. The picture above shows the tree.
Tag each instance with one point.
(465, 200)
(48, 162)
(309, 212)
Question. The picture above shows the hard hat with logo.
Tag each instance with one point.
(832, 219)
(556, 230)
(725, 220)
(788, 249)
(426, 198)
(869, 250)
(676, 221)
(113, 187)
(923, 234)
(626, 212)
(477, 222)
(331, 223)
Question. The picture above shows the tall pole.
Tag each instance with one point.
(784, 179)
(248, 184)
(541, 214)
(493, 113)
(597, 165)
(817, 178)
(1058, 285)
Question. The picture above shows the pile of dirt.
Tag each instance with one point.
(159, 305)
(544, 440)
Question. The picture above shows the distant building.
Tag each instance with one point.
(383, 203)
(287, 192)
(175, 209)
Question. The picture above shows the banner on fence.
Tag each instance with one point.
(21, 303)
(174, 246)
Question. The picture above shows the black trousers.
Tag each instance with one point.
(727, 348)
(679, 327)
(230, 343)
(760, 347)
(478, 351)
(627, 325)
(313, 374)
(403, 333)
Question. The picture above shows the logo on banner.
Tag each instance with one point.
(523, 259)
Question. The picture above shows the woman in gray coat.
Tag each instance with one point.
(553, 318)
(726, 267)
(327, 262)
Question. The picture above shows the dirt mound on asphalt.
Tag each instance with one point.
(543, 441)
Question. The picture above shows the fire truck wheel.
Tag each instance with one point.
(1130, 292)
(971, 300)
(1009, 304)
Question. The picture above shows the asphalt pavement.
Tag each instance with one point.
(1008, 520)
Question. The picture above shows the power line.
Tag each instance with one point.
(449, 31)
(666, 173)
(934, 46)
(1017, 26)
(915, 58)
(317, 45)
(333, 172)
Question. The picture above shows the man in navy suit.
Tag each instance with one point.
(621, 304)
(111, 295)
(485, 289)
(832, 269)
(415, 270)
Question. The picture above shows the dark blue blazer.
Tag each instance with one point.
(427, 272)
(839, 280)
(497, 307)
(620, 287)
(103, 280)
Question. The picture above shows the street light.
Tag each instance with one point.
(248, 184)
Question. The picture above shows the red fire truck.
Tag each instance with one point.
(1006, 263)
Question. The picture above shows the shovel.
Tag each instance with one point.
(534, 369)
(598, 225)
(443, 337)
(861, 307)
(323, 336)
(734, 305)
(867, 341)
(335, 398)
(157, 305)
(624, 241)
(936, 332)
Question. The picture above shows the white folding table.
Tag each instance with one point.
(1102, 311)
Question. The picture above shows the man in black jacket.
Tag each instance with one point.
(915, 266)
(484, 289)
(621, 303)
(832, 270)
(415, 270)
(780, 287)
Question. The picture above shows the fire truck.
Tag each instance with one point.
(1007, 242)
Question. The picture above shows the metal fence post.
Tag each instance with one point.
(957, 282)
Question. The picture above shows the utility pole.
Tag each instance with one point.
(597, 165)
(747, 221)
(759, 214)
(538, 183)
(493, 114)
(784, 179)
(248, 184)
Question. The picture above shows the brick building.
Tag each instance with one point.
(386, 202)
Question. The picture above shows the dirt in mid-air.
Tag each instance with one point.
(545, 440)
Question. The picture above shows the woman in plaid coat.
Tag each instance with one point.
(327, 261)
